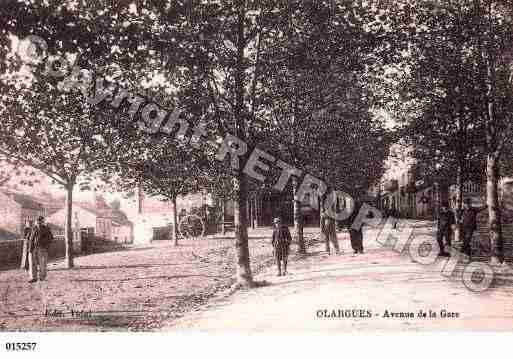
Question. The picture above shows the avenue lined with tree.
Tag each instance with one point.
(303, 80)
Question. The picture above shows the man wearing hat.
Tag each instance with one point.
(38, 243)
(469, 224)
(445, 222)
(281, 243)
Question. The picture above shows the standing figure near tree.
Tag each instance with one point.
(394, 213)
(329, 231)
(355, 231)
(281, 243)
(25, 252)
(39, 242)
(469, 224)
(445, 222)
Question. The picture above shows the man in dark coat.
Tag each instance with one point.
(281, 243)
(469, 224)
(356, 236)
(444, 224)
(355, 231)
(39, 241)
(395, 214)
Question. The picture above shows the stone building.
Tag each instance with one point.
(100, 221)
(16, 209)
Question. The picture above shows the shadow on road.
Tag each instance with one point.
(148, 278)
(127, 266)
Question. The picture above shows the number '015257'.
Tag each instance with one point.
(10, 346)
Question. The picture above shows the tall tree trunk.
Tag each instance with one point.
(175, 222)
(253, 212)
(223, 217)
(68, 230)
(442, 195)
(459, 204)
(494, 212)
(436, 202)
(322, 224)
(139, 199)
(492, 168)
(257, 211)
(298, 216)
(248, 211)
(244, 276)
(460, 155)
(298, 220)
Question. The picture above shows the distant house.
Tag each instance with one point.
(155, 215)
(154, 220)
(122, 228)
(16, 209)
(154, 226)
(51, 203)
(85, 216)
(100, 221)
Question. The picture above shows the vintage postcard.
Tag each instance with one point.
(255, 166)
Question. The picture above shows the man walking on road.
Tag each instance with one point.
(39, 241)
(469, 224)
(281, 243)
(444, 225)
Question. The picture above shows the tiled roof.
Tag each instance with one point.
(25, 201)
(104, 213)
(120, 217)
(52, 205)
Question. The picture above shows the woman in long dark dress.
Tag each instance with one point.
(356, 236)
(355, 232)
(25, 251)
(281, 243)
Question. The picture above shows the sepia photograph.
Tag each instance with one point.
(271, 167)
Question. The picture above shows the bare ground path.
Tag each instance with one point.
(379, 280)
(135, 289)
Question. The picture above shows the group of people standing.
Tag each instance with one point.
(329, 232)
(446, 220)
(281, 239)
(38, 238)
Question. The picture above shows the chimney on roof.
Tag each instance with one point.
(99, 202)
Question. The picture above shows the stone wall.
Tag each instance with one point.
(11, 251)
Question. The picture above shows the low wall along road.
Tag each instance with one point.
(11, 251)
